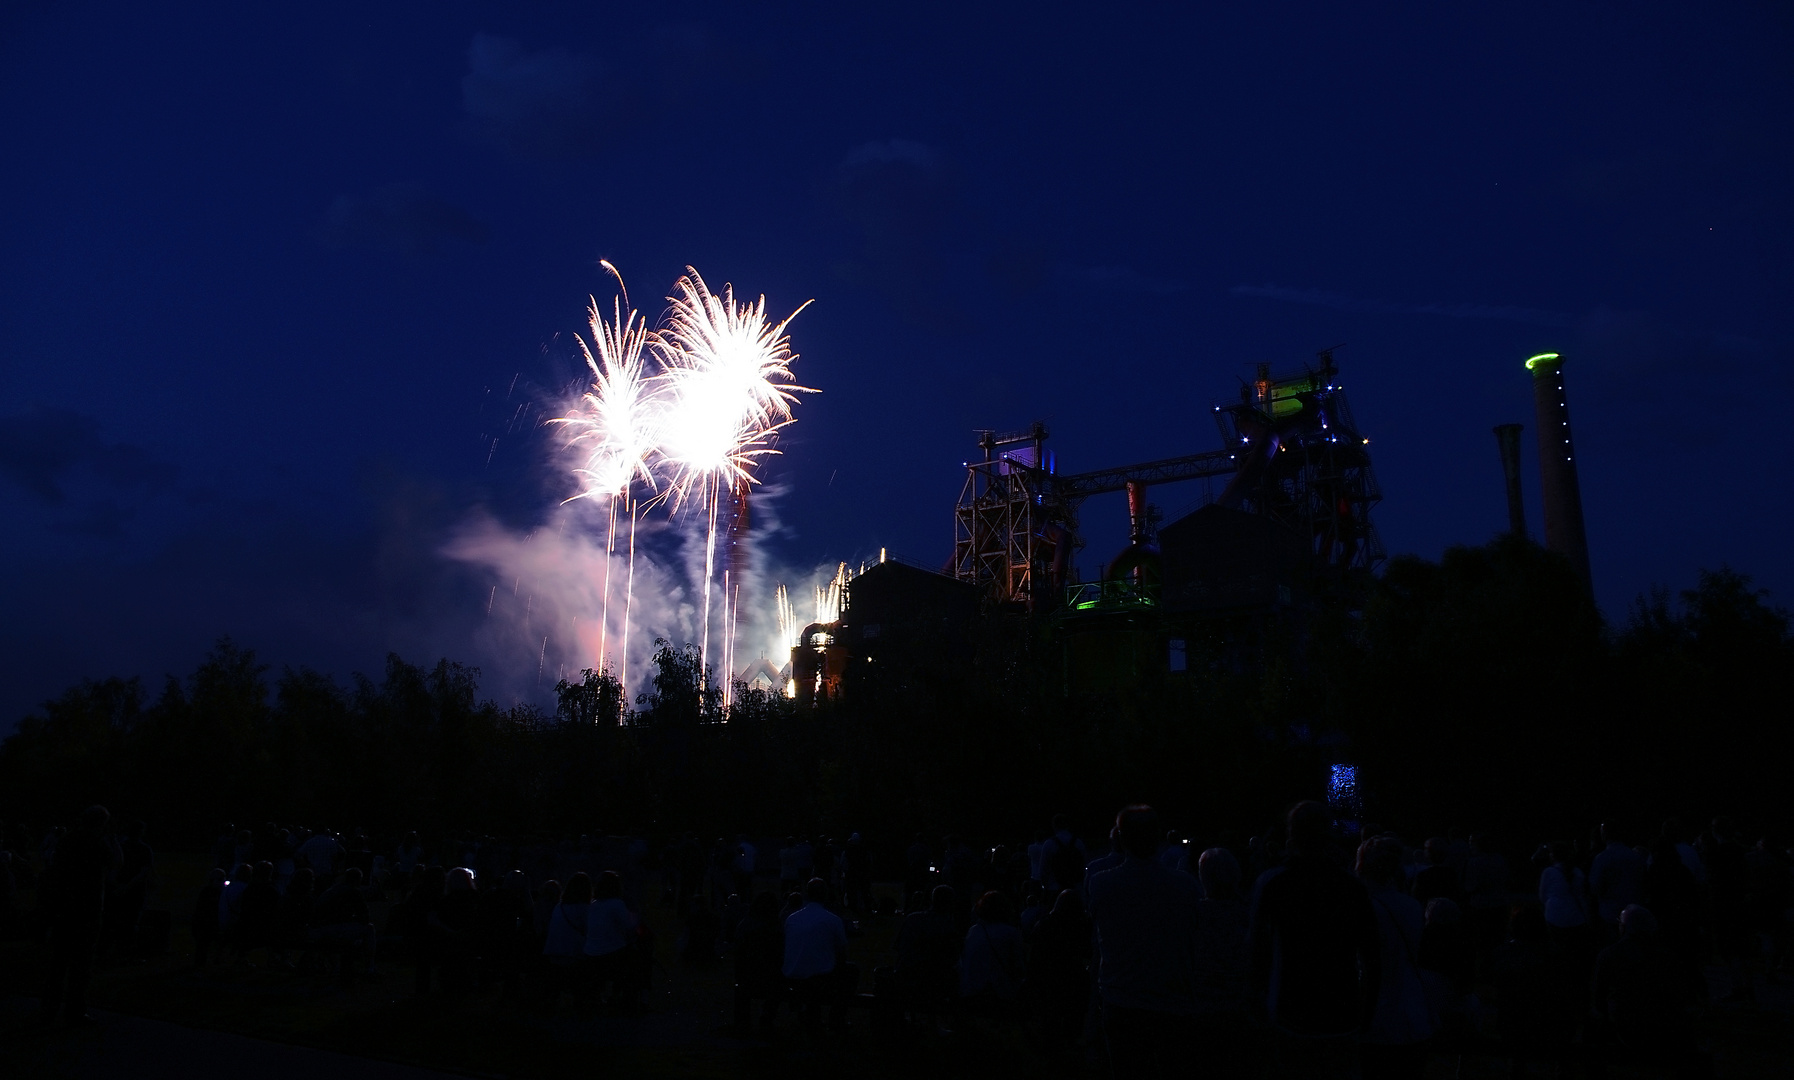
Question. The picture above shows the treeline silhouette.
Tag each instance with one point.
(1483, 689)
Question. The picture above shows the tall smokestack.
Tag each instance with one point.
(1136, 510)
(1507, 437)
(1557, 464)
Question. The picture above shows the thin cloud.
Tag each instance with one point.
(1342, 302)
(554, 104)
(41, 448)
(1122, 279)
(902, 197)
(537, 103)
(403, 219)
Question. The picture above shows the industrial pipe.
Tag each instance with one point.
(1561, 491)
(1507, 437)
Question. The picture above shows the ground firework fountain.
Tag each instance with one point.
(615, 431)
(681, 415)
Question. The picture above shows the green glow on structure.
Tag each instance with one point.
(1541, 359)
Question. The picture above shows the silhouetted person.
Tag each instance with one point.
(1640, 999)
(917, 867)
(547, 898)
(1062, 858)
(1671, 894)
(1393, 1046)
(404, 861)
(1059, 974)
(136, 876)
(1145, 919)
(204, 923)
(506, 925)
(1316, 954)
(1000, 872)
(1728, 885)
(610, 928)
(323, 853)
(296, 906)
(1616, 876)
(1683, 839)
(341, 915)
(958, 865)
(1449, 955)
(858, 859)
(224, 848)
(1563, 890)
(1034, 907)
(701, 926)
(1172, 855)
(457, 920)
(1108, 860)
(1486, 888)
(9, 885)
(806, 860)
(815, 953)
(74, 901)
(258, 911)
(688, 865)
(788, 866)
(759, 961)
(734, 909)
(1536, 998)
(741, 865)
(1439, 877)
(1223, 967)
(564, 937)
(993, 964)
(1769, 899)
(928, 947)
(423, 928)
(230, 907)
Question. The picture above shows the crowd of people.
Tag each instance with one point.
(1320, 948)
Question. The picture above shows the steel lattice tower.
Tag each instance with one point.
(1291, 449)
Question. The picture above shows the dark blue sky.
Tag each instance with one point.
(272, 280)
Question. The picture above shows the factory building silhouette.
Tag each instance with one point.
(1283, 523)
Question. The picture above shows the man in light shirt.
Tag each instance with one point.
(741, 867)
(1145, 917)
(610, 927)
(815, 953)
(322, 853)
(1616, 878)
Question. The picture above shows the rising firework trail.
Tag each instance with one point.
(730, 390)
(616, 431)
(788, 628)
(830, 596)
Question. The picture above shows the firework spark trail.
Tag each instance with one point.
(722, 392)
(781, 600)
(829, 597)
(709, 573)
(628, 594)
(616, 427)
(728, 377)
(728, 639)
(734, 619)
(610, 546)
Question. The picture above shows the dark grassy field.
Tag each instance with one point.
(681, 1032)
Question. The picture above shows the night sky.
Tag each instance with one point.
(273, 280)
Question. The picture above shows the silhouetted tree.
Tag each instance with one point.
(1480, 689)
